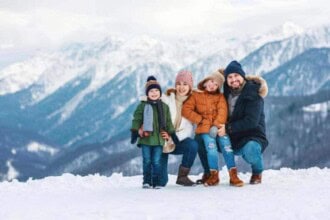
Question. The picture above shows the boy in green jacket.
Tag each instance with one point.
(154, 116)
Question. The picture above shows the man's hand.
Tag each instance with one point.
(222, 130)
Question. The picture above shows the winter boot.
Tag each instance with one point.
(234, 180)
(213, 179)
(183, 178)
(255, 179)
(204, 178)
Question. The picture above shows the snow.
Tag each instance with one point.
(37, 147)
(284, 194)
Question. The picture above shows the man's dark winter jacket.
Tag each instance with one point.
(247, 121)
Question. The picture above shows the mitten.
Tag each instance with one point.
(134, 136)
(213, 131)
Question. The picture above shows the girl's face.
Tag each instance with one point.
(211, 85)
(154, 94)
(182, 88)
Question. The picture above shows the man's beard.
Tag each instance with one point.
(236, 87)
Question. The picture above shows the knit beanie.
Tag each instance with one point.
(152, 84)
(216, 76)
(185, 76)
(234, 67)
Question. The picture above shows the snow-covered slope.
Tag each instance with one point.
(284, 194)
(273, 54)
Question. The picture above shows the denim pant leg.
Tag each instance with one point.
(251, 153)
(227, 151)
(146, 158)
(188, 149)
(163, 179)
(212, 151)
(155, 163)
(202, 154)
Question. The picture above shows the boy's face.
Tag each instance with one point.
(211, 85)
(182, 88)
(154, 94)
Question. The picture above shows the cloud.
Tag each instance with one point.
(50, 23)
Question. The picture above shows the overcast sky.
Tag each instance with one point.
(27, 25)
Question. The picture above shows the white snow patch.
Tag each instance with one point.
(12, 172)
(37, 147)
(284, 194)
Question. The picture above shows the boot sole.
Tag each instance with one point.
(237, 185)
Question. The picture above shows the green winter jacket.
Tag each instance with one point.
(155, 138)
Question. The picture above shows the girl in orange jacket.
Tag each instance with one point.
(208, 109)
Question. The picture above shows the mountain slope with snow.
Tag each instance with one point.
(284, 194)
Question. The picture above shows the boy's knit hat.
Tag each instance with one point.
(152, 84)
(234, 67)
(185, 76)
(216, 76)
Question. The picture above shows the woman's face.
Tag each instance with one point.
(182, 88)
(211, 85)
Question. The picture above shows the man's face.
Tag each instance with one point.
(235, 80)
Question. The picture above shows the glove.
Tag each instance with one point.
(175, 139)
(134, 136)
(213, 131)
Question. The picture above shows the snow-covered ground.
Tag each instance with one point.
(284, 194)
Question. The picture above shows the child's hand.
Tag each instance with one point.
(165, 135)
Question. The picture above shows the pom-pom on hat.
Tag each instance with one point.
(152, 84)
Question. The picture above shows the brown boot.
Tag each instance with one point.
(183, 177)
(204, 178)
(255, 179)
(234, 180)
(213, 179)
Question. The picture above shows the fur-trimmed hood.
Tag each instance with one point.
(216, 75)
(263, 90)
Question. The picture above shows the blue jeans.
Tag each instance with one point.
(227, 151)
(151, 156)
(212, 145)
(211, 151)
(251, 153)
(188, 149)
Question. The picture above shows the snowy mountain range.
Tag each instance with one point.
(74, 106)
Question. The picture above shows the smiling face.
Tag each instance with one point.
(235, 80)
(154, 94)
(211, 85)
(182, 88)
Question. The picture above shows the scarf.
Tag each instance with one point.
(233, 96)
(148, 118)
(179, 102)
(169, 145)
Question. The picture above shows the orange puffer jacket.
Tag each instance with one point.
(205, 110)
